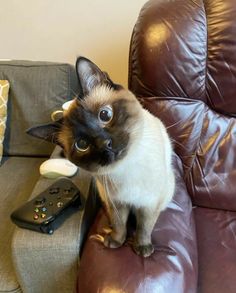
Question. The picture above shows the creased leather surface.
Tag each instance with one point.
(183, 119)
(206, 144)
(217, 250)
(221, 57)
(212, 179)
(168, 50)
(186, 48)
(182, 66)
(172, 266)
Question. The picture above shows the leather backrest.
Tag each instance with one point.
(187, 49)
(182, 67)
(205, 141)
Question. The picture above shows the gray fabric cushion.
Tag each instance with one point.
(49, 263)
(36, 90)
(18, 176)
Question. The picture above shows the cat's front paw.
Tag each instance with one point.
(143, 250)
(111, 243)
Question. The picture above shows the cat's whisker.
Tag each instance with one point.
(52, 136)
(105, 182)
(75, 94)
(114, 206)
(113, 183)
(174, 124)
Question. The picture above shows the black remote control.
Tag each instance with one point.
(47, 211)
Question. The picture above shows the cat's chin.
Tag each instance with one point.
(109, 168)
(105, 170)
(105, 166)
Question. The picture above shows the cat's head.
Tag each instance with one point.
(100, 126)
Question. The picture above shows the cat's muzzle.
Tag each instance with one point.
(110, 156)
(107, 157)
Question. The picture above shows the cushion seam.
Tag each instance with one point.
(206, 59)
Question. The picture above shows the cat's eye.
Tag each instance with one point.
(82, 145)
(105, 114)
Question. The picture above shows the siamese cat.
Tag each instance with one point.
(107, 132)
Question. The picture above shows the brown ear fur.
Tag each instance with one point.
(90, 76)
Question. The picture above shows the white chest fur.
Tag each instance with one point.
(145, 176)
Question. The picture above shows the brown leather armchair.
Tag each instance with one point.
(183, 69)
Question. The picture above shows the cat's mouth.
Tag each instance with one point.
(110, 156)
(108, 163)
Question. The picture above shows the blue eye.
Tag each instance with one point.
(82, 145)
(105, 114)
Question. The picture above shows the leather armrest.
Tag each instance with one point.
(49, 263)
(172, 267)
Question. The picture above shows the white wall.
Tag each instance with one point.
(60, 30)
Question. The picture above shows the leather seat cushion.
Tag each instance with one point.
(172, 265)
(216, 233)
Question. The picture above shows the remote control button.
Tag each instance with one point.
(68, 190)
(43, 216)
(40, 200)
(36, 217)
(44, 209)
(51, 203)
(54, 190)
(36, 210)
(59, 204)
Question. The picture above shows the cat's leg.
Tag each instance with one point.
(146, 219)
(118, 217)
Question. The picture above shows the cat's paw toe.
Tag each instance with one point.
(144, 250)
(111, 243)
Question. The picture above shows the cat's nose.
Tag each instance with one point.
(108, 144)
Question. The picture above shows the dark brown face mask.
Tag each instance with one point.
(89, 76)
(79, 132)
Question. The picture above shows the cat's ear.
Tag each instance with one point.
(90, 76)
(48, 132)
